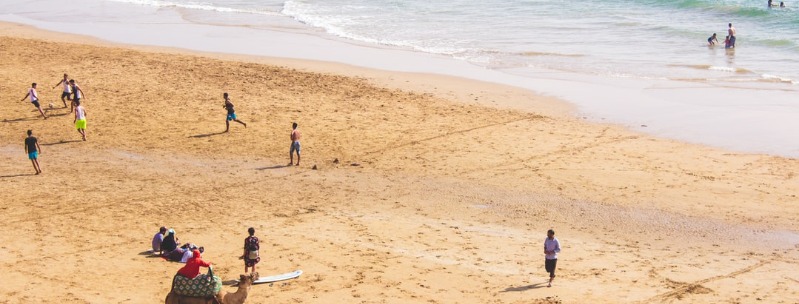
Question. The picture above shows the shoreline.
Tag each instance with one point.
(447, 201)
(716, 115)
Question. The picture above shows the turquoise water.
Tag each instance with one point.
(658, 39)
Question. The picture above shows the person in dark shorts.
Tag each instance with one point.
(32, 149)
(295, 144)
(712, 40)
(77, 94)
(67, 93)
(251, 247)
(231, 113)
(551, 249)
(34, 99)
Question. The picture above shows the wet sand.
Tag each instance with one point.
(442, 192)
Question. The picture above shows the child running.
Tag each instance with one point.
(80, 119)
(231, 114)
(32, 148)
(34, 99)
(66, 94)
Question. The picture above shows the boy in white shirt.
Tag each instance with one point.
(34, 99)
(80, 119)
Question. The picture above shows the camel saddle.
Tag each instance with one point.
(203, 286)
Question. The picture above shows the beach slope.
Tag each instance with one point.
(423, 192)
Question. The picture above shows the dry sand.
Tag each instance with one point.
(455, 186)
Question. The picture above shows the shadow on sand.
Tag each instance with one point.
(206, 135)
(62, 142)
(526, 288)
(16, 175)
(273, 167)
(150, 254)
(56, 115)
(22, 119)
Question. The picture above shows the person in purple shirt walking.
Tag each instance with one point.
(551, 249)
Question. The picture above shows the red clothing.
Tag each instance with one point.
(192, 268)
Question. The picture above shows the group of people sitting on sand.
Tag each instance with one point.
(166, 244)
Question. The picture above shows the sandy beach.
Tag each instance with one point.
(442, 191)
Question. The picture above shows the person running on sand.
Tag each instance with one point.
(251, 247)
(551, 249)
(33, 149)
(731, 31)
(34, 99)
(712, 40)
(295, 144)
(67, 93)
(231, 113)
(80, 119)
(77, 93)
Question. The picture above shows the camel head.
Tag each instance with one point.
(246, 280)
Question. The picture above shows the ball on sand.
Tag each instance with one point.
(51, 105)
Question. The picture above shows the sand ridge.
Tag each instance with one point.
(447, 204)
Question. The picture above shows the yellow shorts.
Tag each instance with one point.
(80, 124)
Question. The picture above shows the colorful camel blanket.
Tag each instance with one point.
(204, 285)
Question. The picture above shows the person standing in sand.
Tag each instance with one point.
(251, 247)
(231, 113)
(551, 249)
(295, 144)
(731, 31)
(80, 119)
(67, 93)
(33, 149)
(34, 99)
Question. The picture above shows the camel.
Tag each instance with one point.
(238, 297)
(223, 297)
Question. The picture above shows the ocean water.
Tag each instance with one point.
(644, 64)
(661, 39)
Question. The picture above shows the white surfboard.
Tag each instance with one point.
(278, 277)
